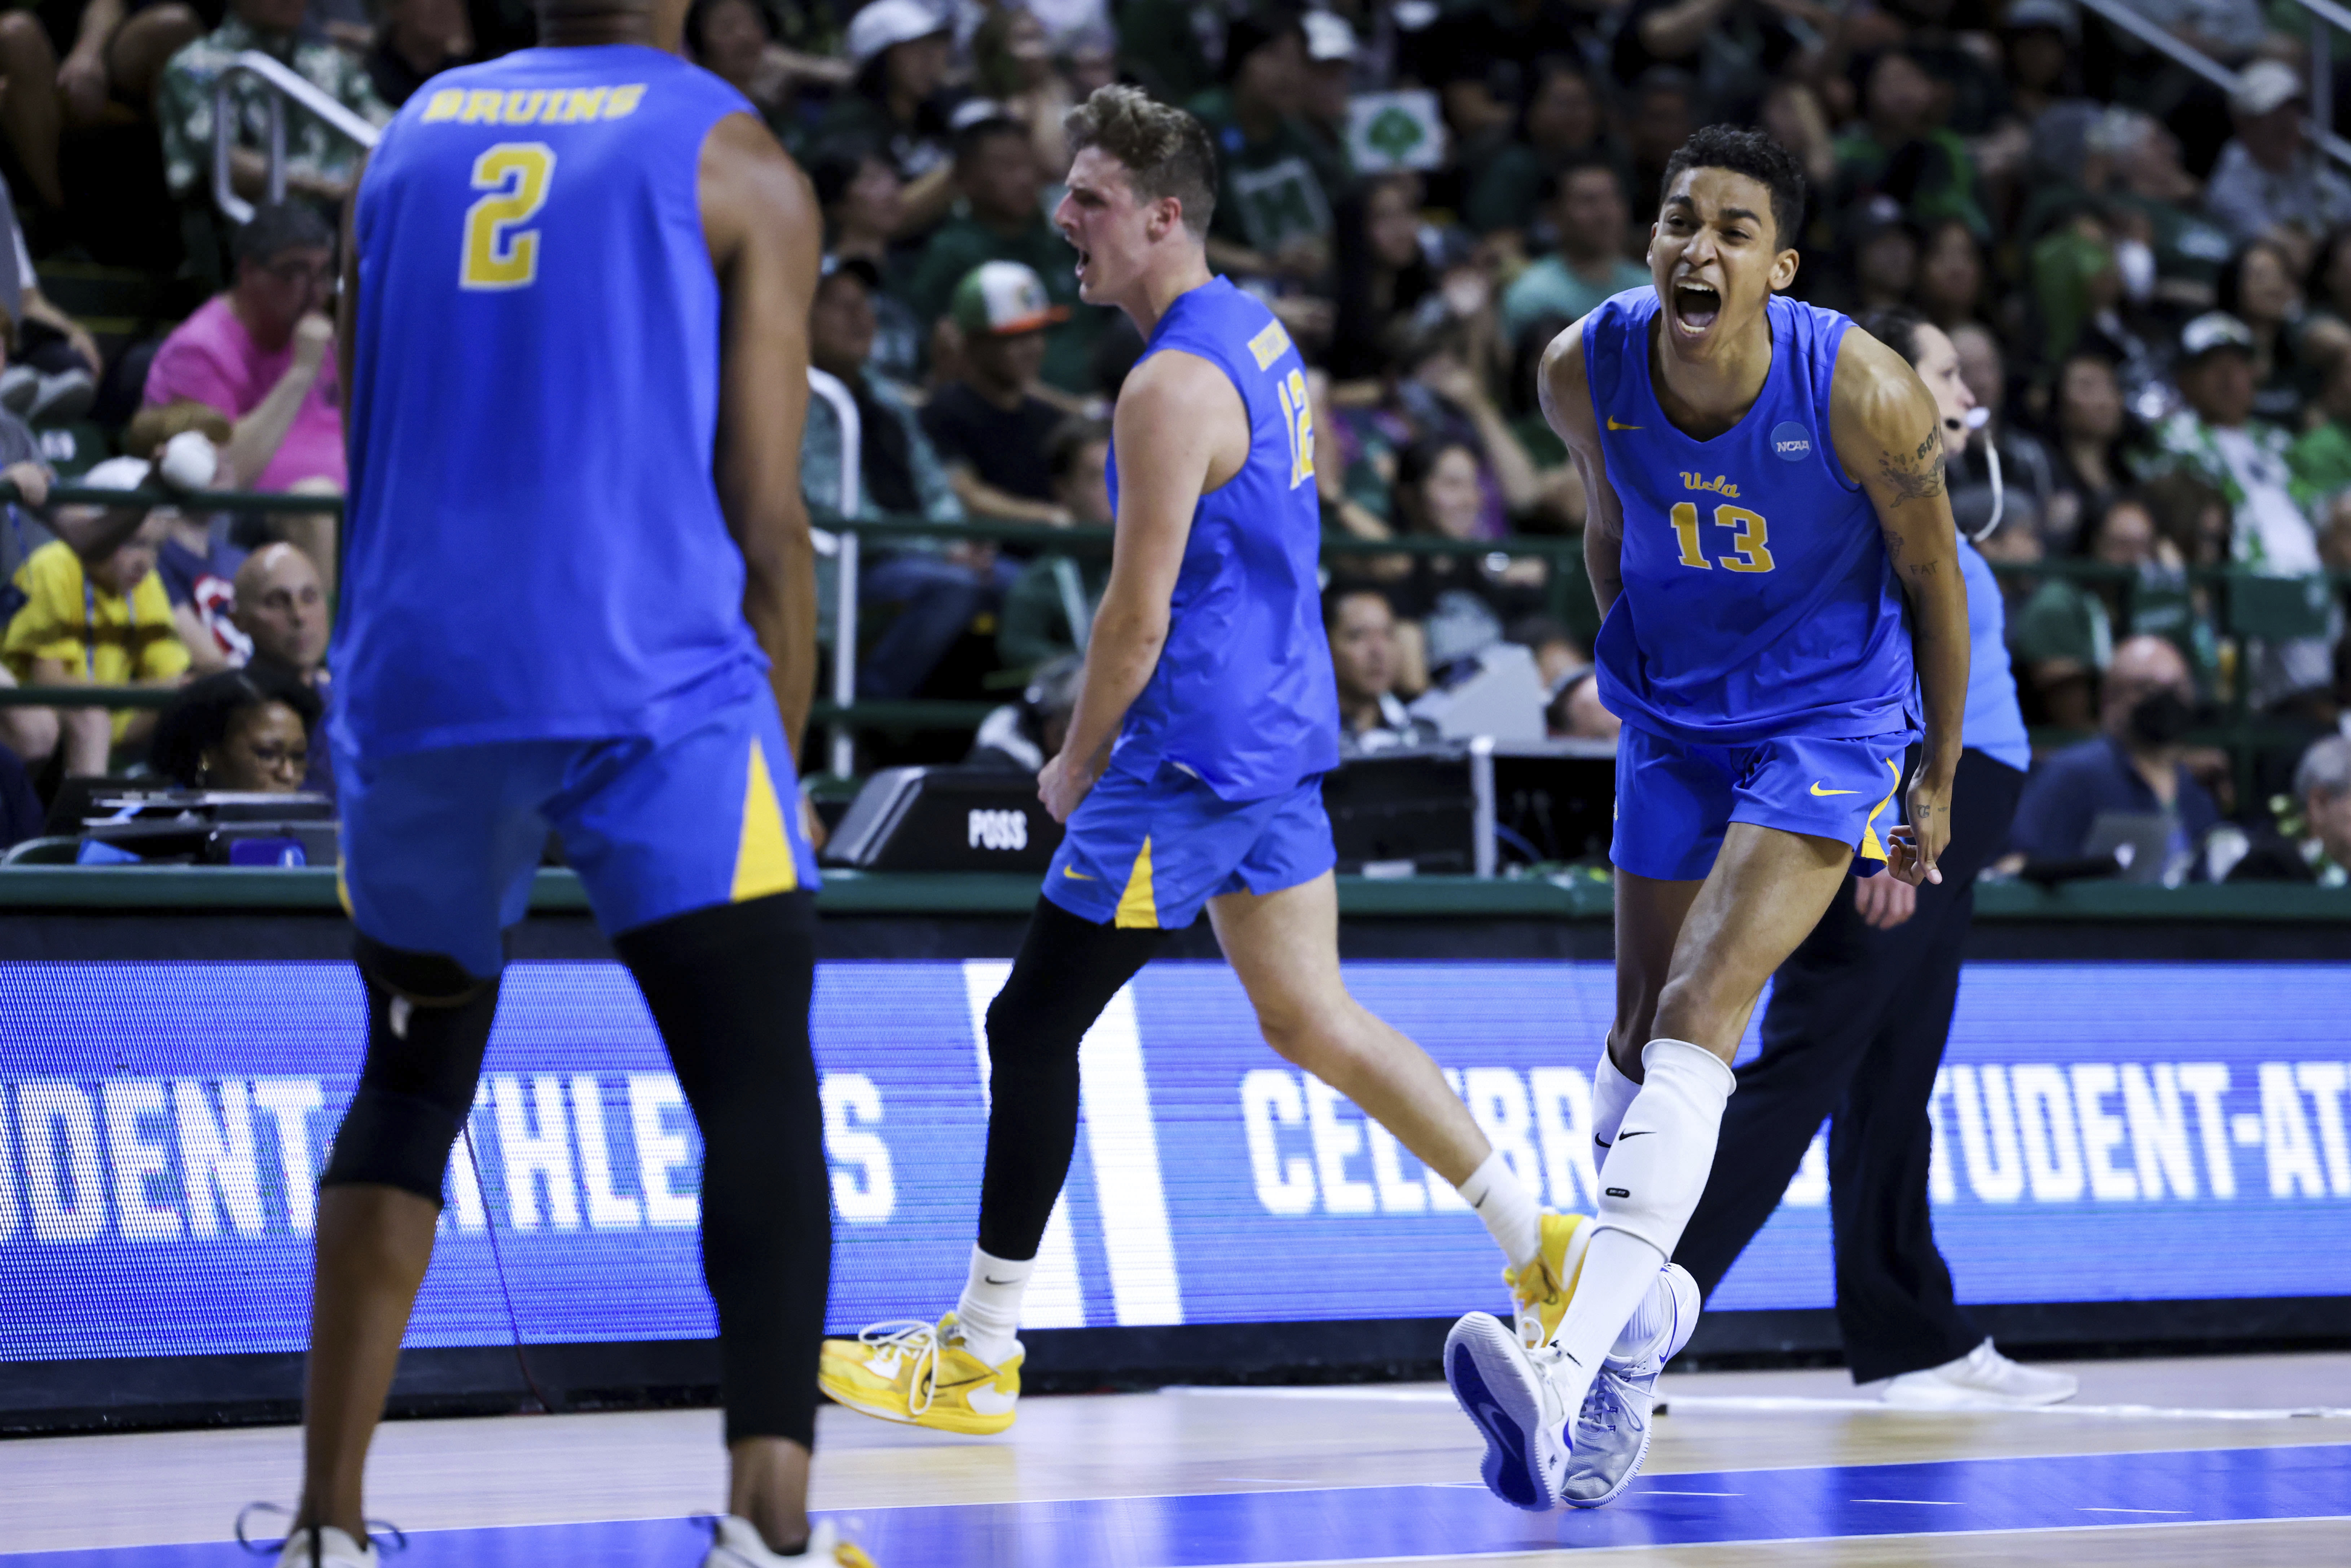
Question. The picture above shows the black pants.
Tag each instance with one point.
(1856, 1031)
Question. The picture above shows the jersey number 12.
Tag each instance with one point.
(1298, 418)
(500, 253)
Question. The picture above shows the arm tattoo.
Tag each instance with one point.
(1918, 477)
(1924, 569)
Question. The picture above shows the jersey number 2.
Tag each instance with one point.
(1298, 415)
(1749, 551)
(499, 251)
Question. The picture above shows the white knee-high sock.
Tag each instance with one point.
(1511, 1214)
(1649, 1187)
(1611, 1096)
(989, 1313)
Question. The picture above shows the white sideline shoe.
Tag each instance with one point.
(1983, 1379)
(738, 1545)
(1510, 1395)
(1611, 1434)
(336, 1550)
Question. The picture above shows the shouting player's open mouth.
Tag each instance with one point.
(1696, 306)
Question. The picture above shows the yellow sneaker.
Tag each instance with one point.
(921, 1374)
(1543, 1288)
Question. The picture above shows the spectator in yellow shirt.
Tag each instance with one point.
(88, 622)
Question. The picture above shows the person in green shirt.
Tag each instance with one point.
(995, 169)
(2321, 458)
(1899, 110)
(1588, 209)
(1277, 181)
(1562, 122)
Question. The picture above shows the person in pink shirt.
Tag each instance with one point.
(263, 354)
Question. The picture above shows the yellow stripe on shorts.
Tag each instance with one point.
(1872, 848)
(1137, 906)
(763, 855)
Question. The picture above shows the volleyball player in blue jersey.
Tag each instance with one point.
(1766, 488)
(579, 595)
(1191, 778)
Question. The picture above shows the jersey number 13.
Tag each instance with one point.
(1748, 550)
(500, 252)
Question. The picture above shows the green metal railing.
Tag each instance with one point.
(2242, 605)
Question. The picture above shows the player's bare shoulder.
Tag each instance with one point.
(1186, 406)
(751, 190)
(1566, 392)
(1882, 423)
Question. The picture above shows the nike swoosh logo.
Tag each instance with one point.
(1641, 1133)
(1818, 790)
(1613, 425)
(1079, 876)
(994, 1280)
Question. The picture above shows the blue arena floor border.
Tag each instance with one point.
(1222, 1528)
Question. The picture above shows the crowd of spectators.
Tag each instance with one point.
(2148, 279)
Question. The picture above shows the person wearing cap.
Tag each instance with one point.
(898, 470)
(94, 615)
(989, 423)
(2269, 175)
(997, 171)
(1328, 74)
(902, 50)
(1274, 201)
(2217, 439)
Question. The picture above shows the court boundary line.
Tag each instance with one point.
(1275, 1489)
(1538, 1551)
(1770, 1403)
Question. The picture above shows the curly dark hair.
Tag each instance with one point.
(199, 718)
(1755, 155)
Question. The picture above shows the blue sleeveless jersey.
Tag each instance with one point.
(1243, 697)
(1757, 600)
(535, 550)
(1994, 723)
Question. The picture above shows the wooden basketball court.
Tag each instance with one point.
(2221, 1460)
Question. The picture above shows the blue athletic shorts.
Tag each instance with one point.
(1150, 852)
(1673, 802)
(439, 846)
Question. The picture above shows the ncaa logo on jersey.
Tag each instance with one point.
(1791, 441)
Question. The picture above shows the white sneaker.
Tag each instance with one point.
(738, 1545)
(1983, 1379)
(335, 1550)
(1610, 1434)
(1510, 1393)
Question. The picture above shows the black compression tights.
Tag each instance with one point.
(729, 987)
(1068, 970)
